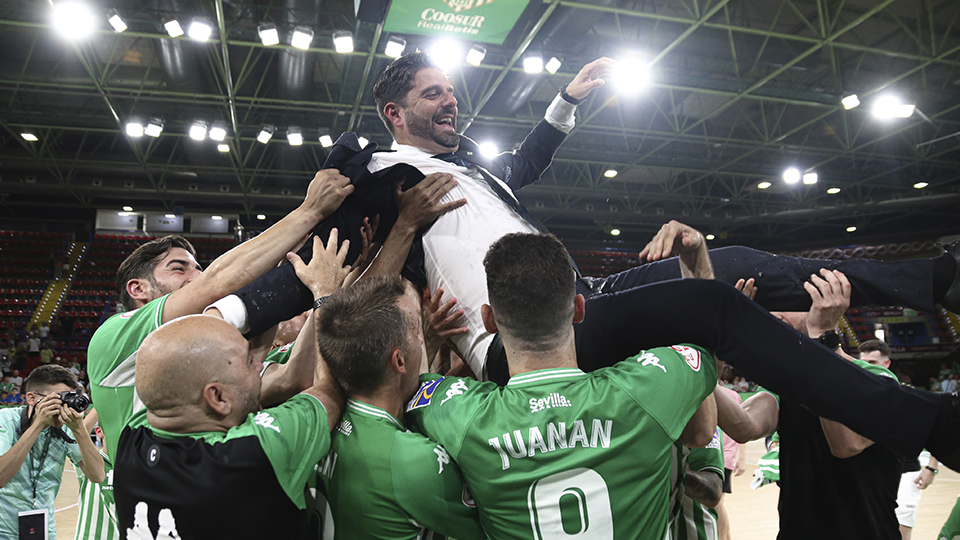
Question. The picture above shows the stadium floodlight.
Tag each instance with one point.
(489, 150)
(116, 21)
(810, 178)
(326, 140)
(887, 107)
(343, 42)
(128, 209)
(218, 131)
(29, 135)
(446, 54)
(553, 65)
(532, 63)
(395, 47)
(200, 29)
(223, 148)
(476, 54)
(261, 217)
(216, 218)
(850, 102)
(614, 232)
(610, 173)
(268, 34)
(198, 130)
(134, 128)
(631, 75)
(74, 20)
(920, 185)
(851, 228)
(710, 237)
(154, 128)
(173, 28)
(764, 185)
(265, 134)
(170, 216)
(294, 136)
(833, 191)
(791, 175)
(302, 37)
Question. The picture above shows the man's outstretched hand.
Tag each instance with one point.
(589, 77)
(674, 238)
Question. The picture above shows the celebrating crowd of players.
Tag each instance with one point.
(588, 395)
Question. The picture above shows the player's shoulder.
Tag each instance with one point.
(875, 369)
(676, 360)
(439, 392)
(145, 319)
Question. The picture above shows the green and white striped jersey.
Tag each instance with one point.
(96, 517)
(689, 519)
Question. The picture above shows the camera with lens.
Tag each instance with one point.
(75, 400)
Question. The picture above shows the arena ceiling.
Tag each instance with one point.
(739, 90)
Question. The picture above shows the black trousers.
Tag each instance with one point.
(620, 323)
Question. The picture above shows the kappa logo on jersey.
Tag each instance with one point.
(345, 427)
(553, 400)
(691, 355)
(456, 389)
(263, 419)
(424, 395)
(650, 359)
(443, 458)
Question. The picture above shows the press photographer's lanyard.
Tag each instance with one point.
(37, 470)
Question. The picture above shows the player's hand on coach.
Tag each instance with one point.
(325, 193)
(326, 271)
(673, 238)
(420, 205)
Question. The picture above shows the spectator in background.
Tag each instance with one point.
(46, 355)
(44, 331)
(934, 384)
(33, 346)
(949, 384)
(17, 381)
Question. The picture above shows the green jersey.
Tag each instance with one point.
(96, 517)
(382, 482)
(280, 355)
(689, 519)
(951, 529)
(559, 452)
(112, 363)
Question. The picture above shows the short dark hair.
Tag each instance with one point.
(357, 330)
(49, 375)
(531, 284)
(874, 345)
(397, 79)
(142, 262)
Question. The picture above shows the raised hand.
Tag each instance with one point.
(831, 298)
(589, 77)
(326, 191)
(673, 238)
(326, 271)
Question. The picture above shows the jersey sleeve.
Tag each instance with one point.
(686, 373)
(430, 489)
(443, 407)
(280, 355)
(294, 436)
(708, 458)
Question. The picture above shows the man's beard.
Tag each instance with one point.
(426, 128)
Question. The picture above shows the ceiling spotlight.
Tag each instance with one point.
(268, 34)
(395, 47)
(343, 42)
(128, 209)
(302, 37)
(218, 131)
(294, 136)
(920, 185)
(198, 131)
(326, 140)
(905, 111)
(532, 63)
(265, 134)
(614, 232)
(810, 178)
(553, 65)
(200, 29)
(764, 185)
(475, 55)
(488, 149)
(850, 102)
(446, 54)
(134, 128)
(631, 75)
(223, 148)
(170, 216)
(363, 141)
(261, 217)
(610, 173)
(851, 228)
(886, 107)
(73, 19)
(29, 136)
(709, 237)
(833, 190)
(116, 21)
(216, 218)
(791, 175)
(173, 27)
(154, 128)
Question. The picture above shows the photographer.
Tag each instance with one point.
(34, 444)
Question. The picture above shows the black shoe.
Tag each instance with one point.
(951, 300)
(944, 440)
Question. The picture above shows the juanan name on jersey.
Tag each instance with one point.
(553, 400)
(515, 445)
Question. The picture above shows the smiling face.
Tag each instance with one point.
(428, 118)
(176, 268)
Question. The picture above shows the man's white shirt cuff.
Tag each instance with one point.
(560, 114)
(233, 311)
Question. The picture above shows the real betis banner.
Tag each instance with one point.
(488, 21)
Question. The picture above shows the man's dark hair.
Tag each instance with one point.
(144, 260)
(49, 375)
(357, 330)
(394, 82)
(874, 345)
(531, 285)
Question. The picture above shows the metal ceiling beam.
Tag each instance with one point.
(363, 79)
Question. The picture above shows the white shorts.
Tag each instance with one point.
(908, 498)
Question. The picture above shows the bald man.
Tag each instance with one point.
(200, 449)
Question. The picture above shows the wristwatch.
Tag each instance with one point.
(568, 98)
(931, 469)
(830, 339)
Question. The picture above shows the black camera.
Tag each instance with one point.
(75, 400)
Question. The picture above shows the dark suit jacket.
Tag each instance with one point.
(278, 295)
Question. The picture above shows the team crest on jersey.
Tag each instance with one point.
(424, 395)
(691, 355)
(715, 442)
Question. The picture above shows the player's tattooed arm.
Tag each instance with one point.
(704, 487)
